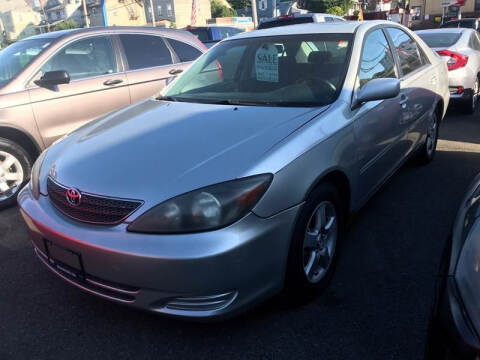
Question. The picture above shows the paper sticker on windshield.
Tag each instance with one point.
(266, 63)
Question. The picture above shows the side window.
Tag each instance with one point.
(407, 50)
(377, 60)
(184, 51)
(93, 56)
(329, 19)
(476, 42)
(145, 51)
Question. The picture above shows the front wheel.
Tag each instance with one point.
(15, 167)
(316, 241)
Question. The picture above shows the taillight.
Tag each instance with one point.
(456, 60)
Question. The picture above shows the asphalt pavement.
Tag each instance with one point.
(377, 306)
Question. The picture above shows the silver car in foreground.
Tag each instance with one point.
(460, 48)
(237, 181)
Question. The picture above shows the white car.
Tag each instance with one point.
(460, 47)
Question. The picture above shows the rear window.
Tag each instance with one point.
(460, 23)
(201, 34)
(184, 51)
(145, 51)
(440, 40)
(284, 22)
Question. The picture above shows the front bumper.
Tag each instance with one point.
(202, 275)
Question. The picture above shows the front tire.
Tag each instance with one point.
(316, 242)
(15, 168)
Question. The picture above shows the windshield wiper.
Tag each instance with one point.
(166, 98)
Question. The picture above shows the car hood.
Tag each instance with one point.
(156, 149)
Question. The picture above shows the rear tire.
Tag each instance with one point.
(315, 243)
(15, 168)
(427, 152)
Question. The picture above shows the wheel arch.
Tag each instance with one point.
(21, 138)
(340, 180)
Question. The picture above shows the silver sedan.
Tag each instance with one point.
(237, 181)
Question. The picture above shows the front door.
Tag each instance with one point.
(380, 134)
(96, 87)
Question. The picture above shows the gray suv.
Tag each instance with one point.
(53, 83)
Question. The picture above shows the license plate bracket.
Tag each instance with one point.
(65, 260)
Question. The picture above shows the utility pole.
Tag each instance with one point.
(254, 13)
(85, 14)
(153, 13)
(45, 15)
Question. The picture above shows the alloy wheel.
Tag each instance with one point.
(320, 241)
(11, 175)
(474, 96)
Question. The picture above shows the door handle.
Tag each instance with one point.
(175, 71)
(112, 82)
(403, 101)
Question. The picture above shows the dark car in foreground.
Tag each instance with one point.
(210, 35)
(455, 323)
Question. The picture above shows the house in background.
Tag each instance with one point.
(179, 12)
(60, 10)
(116, 12)
(18, 20)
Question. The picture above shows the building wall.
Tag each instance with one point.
(125, 12)
(20, 24)
(183, 12)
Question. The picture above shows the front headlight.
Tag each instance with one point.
(204, 209)
(34, 178)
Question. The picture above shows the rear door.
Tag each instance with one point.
(184, 54)
(418, 85)
(148, 61)
(97, 86)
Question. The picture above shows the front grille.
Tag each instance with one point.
(93, 209)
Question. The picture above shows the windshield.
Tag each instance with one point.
(294, 70)
(17, 56)
(461, 23)
(440, 40)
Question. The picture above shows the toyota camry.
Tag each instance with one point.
(237, 180)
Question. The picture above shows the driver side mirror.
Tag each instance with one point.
(53, 78)
(377, 89)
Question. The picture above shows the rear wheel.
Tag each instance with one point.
(428, 149)
(315, 244)
(15, 167)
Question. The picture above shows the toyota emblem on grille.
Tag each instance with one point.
(73, 196)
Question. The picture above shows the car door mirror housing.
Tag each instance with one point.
(52, 78)
(377, 89)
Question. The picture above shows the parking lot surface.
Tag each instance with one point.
(377, 306)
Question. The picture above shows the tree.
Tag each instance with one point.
(64, 25)
(240, 4)
(336, 10)
(322, 6)
(220, 10)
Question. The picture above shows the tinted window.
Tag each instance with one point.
(407, 50)
(295, 70)
(184, 51)
(284, 22)
(202, 34)
(450, 24)
(377, 60)
(227, 32)
(84, 58)
(145, 51)
(440, 40)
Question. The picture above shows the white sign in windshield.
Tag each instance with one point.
(266, 63)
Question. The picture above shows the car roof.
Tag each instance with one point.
(444, 30)
(102, 29)
(343, 27)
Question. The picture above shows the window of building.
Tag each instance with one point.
(416, 13)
